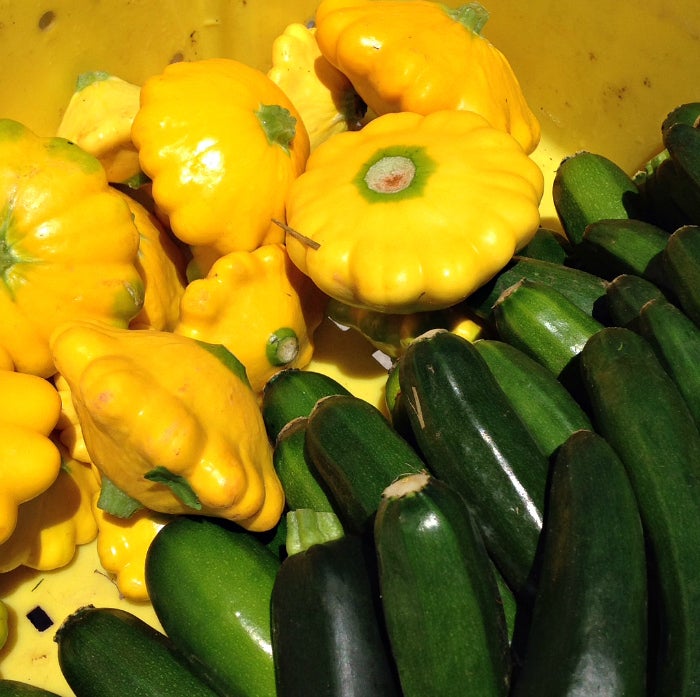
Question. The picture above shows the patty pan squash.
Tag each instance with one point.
(171, 422)
(413, 212)
(258, 305)
(422, 56)
(324, 97)
(221, 143)
(68, 245)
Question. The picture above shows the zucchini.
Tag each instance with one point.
(583, 289)
(453, 642)
(471, 437)
(682, 264)
(547, 245)
(638, 409)
(17, 688)
(688, 113)
(588, 633)
(356, 454)
(544, 324)
(300, 483)
(210, 586)
(683, 144)
(328, 635)
(626, 295)
(292, 393)
(109, 652)
(543, 404)
(675, 339)
(613, 247)
(588, 187)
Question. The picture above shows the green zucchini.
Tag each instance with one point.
(683, 194)
(299, 481)
(683, 144)
(688, 113)
(356, 454)
(452, 642)
(292, 393)
(588, 187)
(109, 652)
(658, 193)
(543, 323)
(547, 245)
(210, 586)
(638, 409)
(584, 289)
(328, 635)
(682, 264)
(613, 247)
(543, 404)
(588, 632)
(676, 340)
(17, 688)
(626, 295)
(471, 437)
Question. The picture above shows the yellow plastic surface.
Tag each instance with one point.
(600, 76)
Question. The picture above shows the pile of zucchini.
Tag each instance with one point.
(526, 522)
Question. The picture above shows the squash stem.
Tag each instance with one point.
(471, 15)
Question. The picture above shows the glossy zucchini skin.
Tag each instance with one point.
(471, 437)
(675, 339)
(638, 409)
(588, 633)
(300, 483)
(587, 187)
(210, 586)
(356, 454)
(626, 295)
(109, 652)
(682, 266)
(543, 323)
(292, 393)
(543, 404)
(451, 642)
(328, 634)
(583, 289)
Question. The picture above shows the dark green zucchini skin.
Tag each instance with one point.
(328, 634)
(210, 586)
(588, 633)
(471, 437)
(454, 641)
(543, 323)
(543, 404)
(109, 652)
(299, 481)
(355, 454)
(583, 289)
(676, 340)
(613, 247)
(626, 295)
(292, 393)
(547, 245)
(638, 409)
(587, 187)
(17, 688)
(682, 268)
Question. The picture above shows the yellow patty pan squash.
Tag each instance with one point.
(221, 143)
(171, 422)
(161, 264)
(416, 212)
(98, 118)
(29, 460)
(422, 56)
(122, 544)
(323, 96)
(67, 245)
(260, 306)
(68, 428)
(52, 525)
